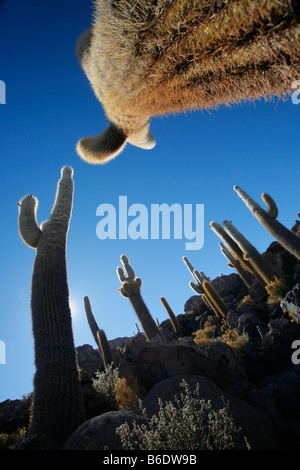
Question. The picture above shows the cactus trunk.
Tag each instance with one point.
(214, 298)
(174, 321)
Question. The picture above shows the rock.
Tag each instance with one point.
(218, 362)
(89, 359)
(100, 432)
(291, 302)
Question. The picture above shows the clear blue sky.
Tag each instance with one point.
(197, 160)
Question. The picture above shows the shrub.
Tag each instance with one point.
(190, 423)
(105, 383)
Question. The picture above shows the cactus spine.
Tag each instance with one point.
(99, 335)
(174, 321)
(58, 403)
(262, 267)
(268, 219)
(130, 288)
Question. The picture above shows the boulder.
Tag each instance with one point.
(100, 432)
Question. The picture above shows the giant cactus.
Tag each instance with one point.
(146, 58)
(58, 403)
(268, 219)
(131, 289)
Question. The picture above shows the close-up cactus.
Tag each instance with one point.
(130, 289)
(268, 219)
(58, 403)
(182, 55)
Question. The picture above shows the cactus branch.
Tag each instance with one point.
(214, 298)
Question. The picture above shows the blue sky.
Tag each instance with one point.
(198, 159)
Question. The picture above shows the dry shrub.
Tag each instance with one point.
(276, 289)
(235, 340)
(125, 395)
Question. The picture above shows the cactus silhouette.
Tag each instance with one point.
(58, 403)
(268, 219)
(146, 58)
(262, 267)
(173, 319)
(130, 288)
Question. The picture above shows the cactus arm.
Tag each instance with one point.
(289, 240)
(263, 268)
(174, 321)
(28, 228)
(58, 403)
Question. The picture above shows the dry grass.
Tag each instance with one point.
(276, 291)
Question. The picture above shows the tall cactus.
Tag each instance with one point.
(58, 403)
(130, 288)
(173, 319)
(234, 249)
(214, 298)
(234, 263)
(99, 335)
(262, 267)
(199, 277)
(268, 219)
(104, 348)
